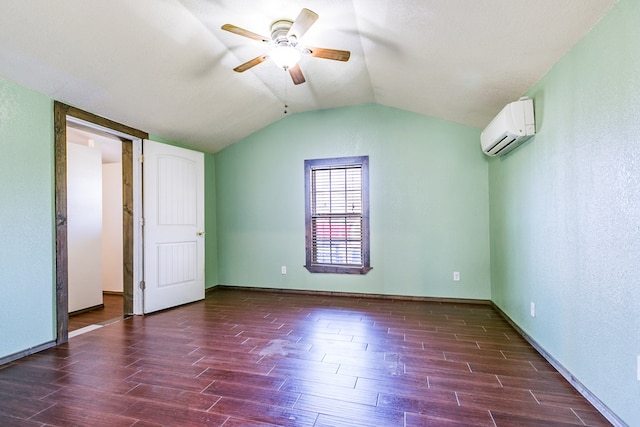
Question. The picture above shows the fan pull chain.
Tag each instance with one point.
(286, 107)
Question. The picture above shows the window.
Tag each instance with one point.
(337, 215)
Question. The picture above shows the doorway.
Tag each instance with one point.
(131, 144)
(94, 227)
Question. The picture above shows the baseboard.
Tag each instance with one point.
(27, 352)
(84, 310)
(580, 388)
(210, 289)
(354, 295)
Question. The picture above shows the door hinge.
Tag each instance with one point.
(141, 222)
(142, 285)
(141, 158)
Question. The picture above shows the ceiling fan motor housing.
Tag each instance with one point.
(279, 30)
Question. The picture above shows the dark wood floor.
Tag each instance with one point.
(112, 310)
(252, 358)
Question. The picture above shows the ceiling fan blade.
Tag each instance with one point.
(296, 74)
(303, 22)
(245, 33)
(249, 64)
(320, 52)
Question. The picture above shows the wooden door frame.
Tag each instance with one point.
(60, 113)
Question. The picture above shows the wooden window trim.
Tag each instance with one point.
(309, 165)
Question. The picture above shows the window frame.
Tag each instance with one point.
(336, 163)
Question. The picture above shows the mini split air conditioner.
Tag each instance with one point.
(510, 128)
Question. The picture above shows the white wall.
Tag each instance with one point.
(84, 229)
(112, 227)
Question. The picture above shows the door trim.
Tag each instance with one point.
(60, 113)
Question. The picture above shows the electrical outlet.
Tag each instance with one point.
(533, 309)
(456, 276)
(283, 269)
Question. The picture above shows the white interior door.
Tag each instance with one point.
(173, 205)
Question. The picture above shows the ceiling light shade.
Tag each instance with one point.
(285, 57)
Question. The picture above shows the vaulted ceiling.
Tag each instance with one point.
(166, 67)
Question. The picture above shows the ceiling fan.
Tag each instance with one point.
(285, 52)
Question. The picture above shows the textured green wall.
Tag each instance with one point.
(428, 202)
(565, 214)
(27, 289)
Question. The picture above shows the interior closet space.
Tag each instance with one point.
(95, 223)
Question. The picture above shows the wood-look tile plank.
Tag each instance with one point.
(484, 358)
(167, 379)
(205, 355)
(87, 367)
(312, 365)
(62, 415)
(48, 360)
(419, 420)
(28, 372)
(337, 379)
(399, 385)
(509, 368)
(591, 417)
(20, 407)
(18, 422)
(392, 345)
(366, 359)
(25, 388)
(83, 398)
(312, 388)
(457, 381)
(257, 412)
(503, 419)
(272, 381)
(178, 367)
(167, 414)
(266, 396)
(551, 382)
(436, 410)
(387, 371)
(108, 356)
(235, 365)
(495, 397)
(358, 414)
(172, 396)
(237, 422)
(101, 383)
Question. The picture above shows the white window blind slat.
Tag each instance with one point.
(336, 215)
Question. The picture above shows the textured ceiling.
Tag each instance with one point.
(165, 67)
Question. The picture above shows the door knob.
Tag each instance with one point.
(200, 233)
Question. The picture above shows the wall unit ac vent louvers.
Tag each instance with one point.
(511, 127)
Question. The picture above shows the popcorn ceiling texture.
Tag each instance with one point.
(565, 216)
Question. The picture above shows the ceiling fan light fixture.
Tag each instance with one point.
(285, 57)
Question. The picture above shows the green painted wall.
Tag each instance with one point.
(210, 223)
(27, 285)
(428, 202)
(565, 214)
